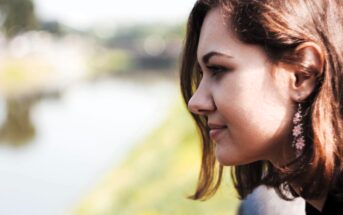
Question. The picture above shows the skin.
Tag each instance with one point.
(249, 102)
(244, 93)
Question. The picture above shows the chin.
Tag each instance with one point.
(227, 159)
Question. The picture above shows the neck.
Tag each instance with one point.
(285, 156)
(282, 156)
(317, 203)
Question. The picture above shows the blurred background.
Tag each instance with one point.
(91, 117)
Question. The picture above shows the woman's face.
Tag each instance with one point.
(244, 97)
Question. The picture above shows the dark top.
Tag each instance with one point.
(332, 206)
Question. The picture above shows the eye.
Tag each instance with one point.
(216, 69)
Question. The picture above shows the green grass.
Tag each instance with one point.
(158, 175)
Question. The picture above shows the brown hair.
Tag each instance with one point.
(279, 27)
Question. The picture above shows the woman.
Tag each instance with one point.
(264, 81)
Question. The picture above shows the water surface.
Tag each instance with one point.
(79, 138)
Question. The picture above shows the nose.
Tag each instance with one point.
(201, 103)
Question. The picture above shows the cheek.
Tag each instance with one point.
(254, 111)
(239, 98)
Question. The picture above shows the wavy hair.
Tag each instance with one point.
(279, 27)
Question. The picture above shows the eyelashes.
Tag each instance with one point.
(212, 69)
(216, 69)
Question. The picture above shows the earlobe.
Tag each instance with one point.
(305, 73)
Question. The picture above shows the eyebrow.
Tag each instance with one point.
(208, 56)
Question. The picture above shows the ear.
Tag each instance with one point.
(304, 74)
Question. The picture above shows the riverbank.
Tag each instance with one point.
(80, 136)
(157, 176)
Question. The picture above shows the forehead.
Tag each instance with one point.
(216, 34)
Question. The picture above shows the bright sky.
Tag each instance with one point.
(84, 13)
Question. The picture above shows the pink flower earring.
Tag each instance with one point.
(298, 136)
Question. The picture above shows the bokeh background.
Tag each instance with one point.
(91, 117)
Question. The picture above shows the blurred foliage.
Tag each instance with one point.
(133, 37)
(53, 27)
(60, 29)
(17, 16)
(153, 47)
(17, 128)
(141, 31)
(158, 175)
(110, 61)
(138, 48)
(20, 81)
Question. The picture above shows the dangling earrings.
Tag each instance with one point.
(298, 136)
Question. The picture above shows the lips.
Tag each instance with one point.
(216, 130)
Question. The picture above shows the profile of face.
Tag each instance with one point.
(244, 96)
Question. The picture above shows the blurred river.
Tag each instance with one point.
(79, 137)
